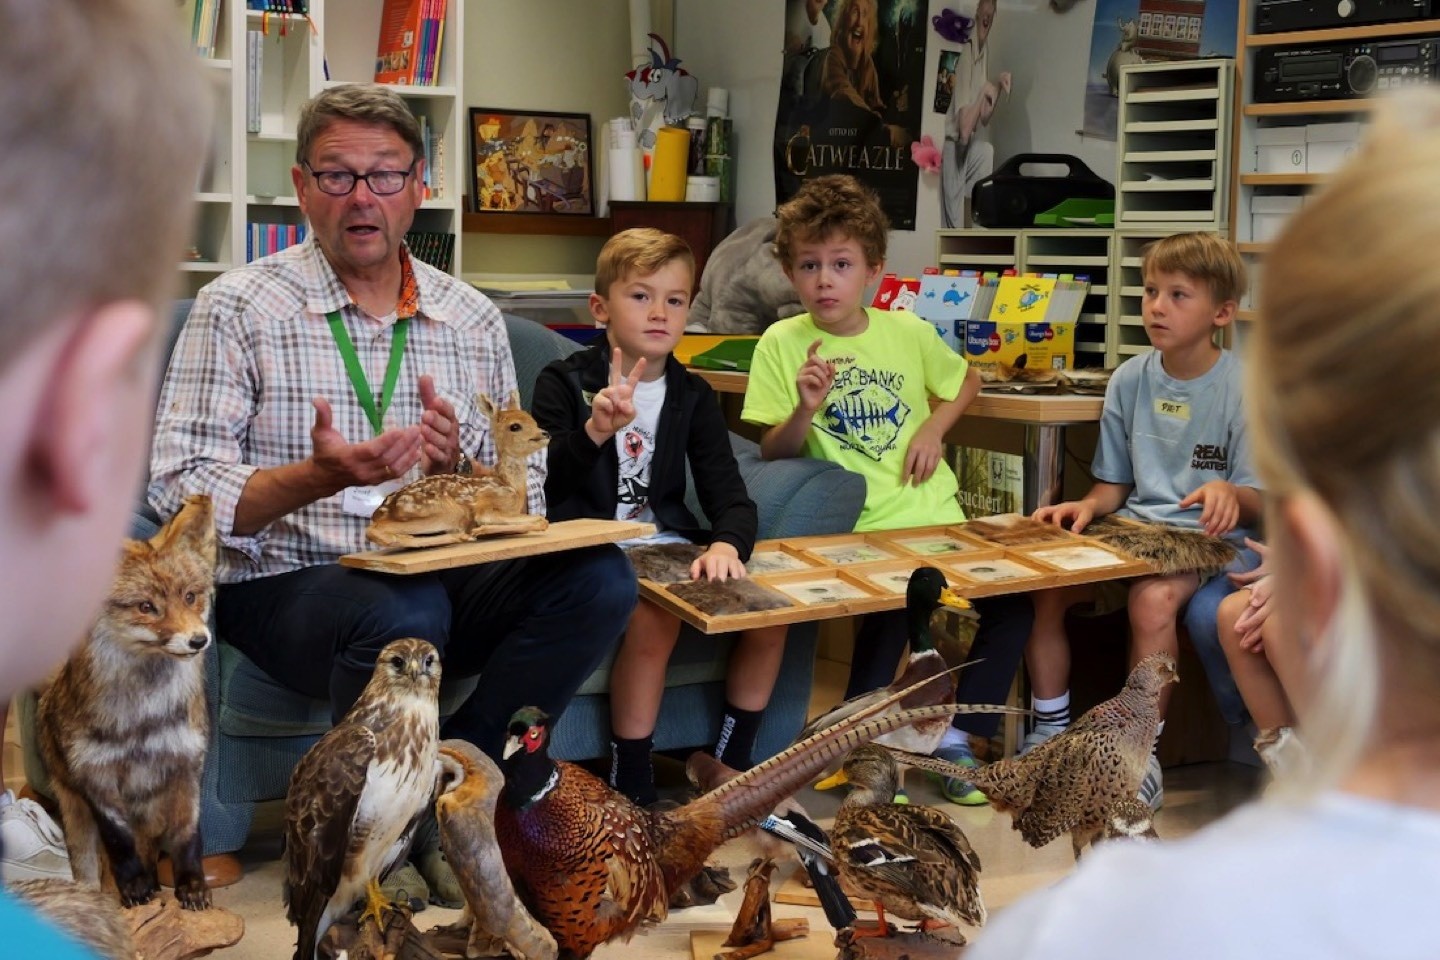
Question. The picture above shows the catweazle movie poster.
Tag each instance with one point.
(851, 95)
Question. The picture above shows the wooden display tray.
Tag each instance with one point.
(565, 535)
(853, 573)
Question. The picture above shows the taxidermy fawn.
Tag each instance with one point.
(123, 728)
(451, 507)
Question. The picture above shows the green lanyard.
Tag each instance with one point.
(358, 379)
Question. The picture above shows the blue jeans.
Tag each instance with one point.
(1202, 623)
(532, 630)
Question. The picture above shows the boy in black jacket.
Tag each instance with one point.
(624, 416)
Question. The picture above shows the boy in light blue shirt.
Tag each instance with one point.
(1173, 449)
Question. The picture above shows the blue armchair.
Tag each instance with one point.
(260, 729)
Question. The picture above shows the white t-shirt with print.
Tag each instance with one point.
(635, 447)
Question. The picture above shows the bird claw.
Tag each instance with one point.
(703, 889)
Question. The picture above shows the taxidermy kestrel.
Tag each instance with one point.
(1073, 782)
(359, 791)
(499, 923)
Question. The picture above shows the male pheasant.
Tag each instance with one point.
(593, 867)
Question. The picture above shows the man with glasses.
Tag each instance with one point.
(305, 386)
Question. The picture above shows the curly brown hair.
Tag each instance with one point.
(831, 205)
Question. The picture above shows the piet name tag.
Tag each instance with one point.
(363, 501)
(1172, 408)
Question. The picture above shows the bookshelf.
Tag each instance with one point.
(281, 60)
(1260, 199)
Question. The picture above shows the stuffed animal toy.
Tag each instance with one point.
(743, 288)
(925, 154)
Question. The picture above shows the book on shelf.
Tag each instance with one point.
(201, 18)
(436, 249)
(990, 482)
(263, 239)
(408, 51)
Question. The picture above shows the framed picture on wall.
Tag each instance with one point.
(530, 161)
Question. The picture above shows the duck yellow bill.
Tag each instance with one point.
(952, 599)
(837, 779)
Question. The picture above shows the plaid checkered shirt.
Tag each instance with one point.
(257, 349)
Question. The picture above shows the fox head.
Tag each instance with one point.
(160, 601)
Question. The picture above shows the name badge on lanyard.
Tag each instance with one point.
(363, 501)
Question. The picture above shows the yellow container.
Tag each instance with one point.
(668, 165)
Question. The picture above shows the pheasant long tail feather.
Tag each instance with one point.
(747, 798)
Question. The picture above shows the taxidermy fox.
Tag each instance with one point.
(123, 727)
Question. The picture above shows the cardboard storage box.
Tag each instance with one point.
(1329, 145)
(1269, 213)
(1044, 345)
(1280, 150)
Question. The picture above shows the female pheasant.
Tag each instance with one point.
(592, 867)
(1075, 782)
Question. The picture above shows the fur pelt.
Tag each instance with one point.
(1168, 549)
(718, 598)
(743, 288)
(664, 562)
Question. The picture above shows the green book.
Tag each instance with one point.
(732, 354)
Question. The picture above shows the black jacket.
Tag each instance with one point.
(583, 478)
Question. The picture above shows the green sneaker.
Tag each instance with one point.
(443, 889)
(405, 885)
(963, 792)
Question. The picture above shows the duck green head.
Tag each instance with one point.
(926, 593)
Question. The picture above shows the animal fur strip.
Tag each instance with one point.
(1168, 549)
(664, 562)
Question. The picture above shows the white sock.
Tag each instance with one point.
(954, 738)
(1052, 712)
(1159, 729)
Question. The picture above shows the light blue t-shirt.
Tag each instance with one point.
(25, 933)
(1167, 438)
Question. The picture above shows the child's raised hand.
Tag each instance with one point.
(614, 406)
(1072, 514)
(814, 379)
(721, 561)
(922, 456)
(1221, 507)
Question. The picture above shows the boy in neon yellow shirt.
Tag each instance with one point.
(853, 385)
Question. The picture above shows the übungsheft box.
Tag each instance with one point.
(1048, 346)
(990, 482)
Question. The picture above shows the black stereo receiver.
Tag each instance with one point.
(1274, 16)
(1342, 71)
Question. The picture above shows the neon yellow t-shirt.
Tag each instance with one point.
(884, 378)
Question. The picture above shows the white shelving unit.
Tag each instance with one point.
(248, 176)
(1247, 183)
(1174, 145)
(983, 250)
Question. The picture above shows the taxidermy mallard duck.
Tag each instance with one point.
(911, 860)
(926, 593)
(593, 867)
(1078, 780)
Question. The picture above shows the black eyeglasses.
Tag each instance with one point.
(339, 183)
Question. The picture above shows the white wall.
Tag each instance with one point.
(1047, 53)
(736, 44)
(564, 55)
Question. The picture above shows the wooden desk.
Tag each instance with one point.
(1044, 417)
